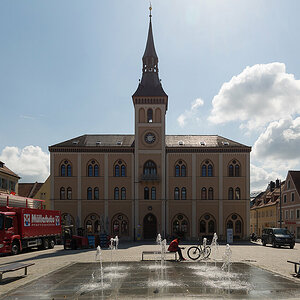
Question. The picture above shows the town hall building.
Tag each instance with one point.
(138, 185)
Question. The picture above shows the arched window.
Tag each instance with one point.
(153, 193)
(203, 193)
(96, 171)
(150, 168)
(211, 226)
(183, 193)
(230, 170)
(235, 222)
(117, 170)
(177, 171)
(92, 224)
(69, 171)
(183, 171)
(123, 193)
(63, 170)
(116, 193)
(123, 171)
(210, 170)
(67, 219)
(69, 193)
(204, 170)
(237, 170)
(202, 226)
(146, 193)
(234, 168)
(176, 193)
(180, 226)
(207, 224)
(230, 193)
(210, 193)
(62, 193)
(96, 193)
(237, 193)
(120, 225)
(120, 168)
(89, 193)
(90, 170)
(149, 115)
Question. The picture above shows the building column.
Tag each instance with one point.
(221, 216)
(79, 216)
(247, 231)
(194, 193)
(52, 177)
(106, 219)
(132, 197)
(167, 198)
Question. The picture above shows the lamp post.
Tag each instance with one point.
(278, 185)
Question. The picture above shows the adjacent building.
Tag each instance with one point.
(141, 184)
(8, 180)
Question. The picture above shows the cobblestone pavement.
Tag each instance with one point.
(47, 261)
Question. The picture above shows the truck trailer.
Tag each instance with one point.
(23, 227)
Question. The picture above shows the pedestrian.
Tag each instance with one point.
(174, 247)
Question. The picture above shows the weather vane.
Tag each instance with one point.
(150, 8)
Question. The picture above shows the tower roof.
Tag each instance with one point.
(150, 85)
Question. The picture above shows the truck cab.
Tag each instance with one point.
(9, 237)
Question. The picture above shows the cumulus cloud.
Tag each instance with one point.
(190, 114)
(279, 144)
(30, 163)
(261, 177)
(260, 94)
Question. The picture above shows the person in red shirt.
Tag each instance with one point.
(174, 247)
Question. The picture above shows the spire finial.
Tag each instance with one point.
(150, 8)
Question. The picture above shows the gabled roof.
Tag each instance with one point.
(7, 171)
(29, 189)
(296, 179)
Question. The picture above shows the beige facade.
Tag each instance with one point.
(44, 194)
(8, 180)
(136, 186)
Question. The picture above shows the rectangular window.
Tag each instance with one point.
(298, 232)
(293, 197)
(271, 213)
(298, 213)
(292, 214)
(267, 213)
(286, 214)
(284, 198)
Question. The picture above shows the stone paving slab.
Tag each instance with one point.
(47, 261)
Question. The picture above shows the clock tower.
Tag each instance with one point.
(150, 104)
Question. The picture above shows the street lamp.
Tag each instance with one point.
(278, 185)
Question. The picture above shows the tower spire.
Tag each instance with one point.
(150, 84)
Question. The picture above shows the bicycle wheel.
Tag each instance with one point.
(194, 253)
(207, 252)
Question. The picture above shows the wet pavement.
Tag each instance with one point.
(127, 280)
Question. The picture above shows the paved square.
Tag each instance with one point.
(150, 280)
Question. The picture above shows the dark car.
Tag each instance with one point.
(277, 237)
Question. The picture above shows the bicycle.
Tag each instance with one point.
(199, 251)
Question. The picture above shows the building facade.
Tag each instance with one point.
(8, 180)
(138, 185)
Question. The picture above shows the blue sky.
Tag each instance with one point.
(70, 67)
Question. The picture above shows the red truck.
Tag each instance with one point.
(23, 227)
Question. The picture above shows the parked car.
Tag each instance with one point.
(277, 237)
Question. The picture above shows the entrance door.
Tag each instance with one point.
(150, 227)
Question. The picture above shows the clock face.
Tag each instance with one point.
(149, 138)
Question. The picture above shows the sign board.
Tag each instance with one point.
(229, 235)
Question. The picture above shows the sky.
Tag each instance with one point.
(229, 67)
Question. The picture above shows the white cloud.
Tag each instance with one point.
(190, 114)
(260, 177)
(279, 144)
(30, 163)
(260, 94)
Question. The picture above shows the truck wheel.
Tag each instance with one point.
(45, 244)
(51, 244)
(292, 246)
(15, 248)
(274, 244)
